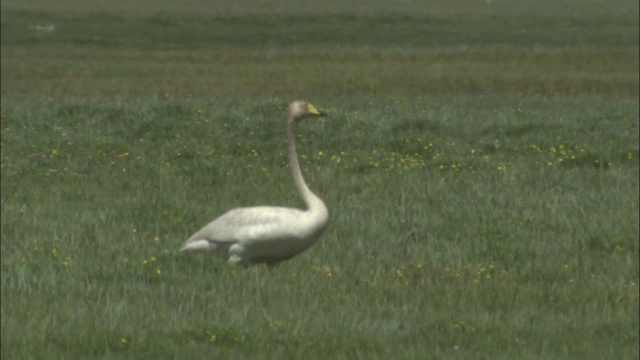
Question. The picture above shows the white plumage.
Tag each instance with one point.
(268, 234)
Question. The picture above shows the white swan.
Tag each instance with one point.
(268, 234)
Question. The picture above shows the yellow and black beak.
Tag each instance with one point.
(313, 111)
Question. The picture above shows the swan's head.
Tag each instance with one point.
(300, 109)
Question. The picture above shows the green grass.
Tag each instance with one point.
(480, 164)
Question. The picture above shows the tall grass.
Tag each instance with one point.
(483, 186)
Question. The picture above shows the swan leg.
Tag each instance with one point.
(236, 252)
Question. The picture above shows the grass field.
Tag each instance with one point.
(480, 163)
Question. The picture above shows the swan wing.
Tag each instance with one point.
(249, 224)
(256, 234)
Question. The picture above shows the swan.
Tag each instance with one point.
(268, 234)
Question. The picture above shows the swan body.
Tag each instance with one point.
(268, 234)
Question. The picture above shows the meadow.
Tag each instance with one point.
(480, 164)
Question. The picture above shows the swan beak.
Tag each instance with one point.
(313, 111)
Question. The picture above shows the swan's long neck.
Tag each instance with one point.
(314, 204)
